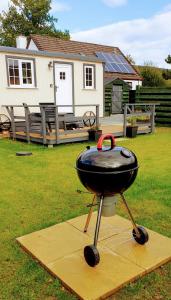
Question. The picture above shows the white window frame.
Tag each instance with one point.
(22, 85)
(129, 83)
(88, 87)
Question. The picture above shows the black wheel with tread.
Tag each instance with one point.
(91, 255)
(143, 238)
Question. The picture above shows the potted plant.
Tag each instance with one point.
(94, 133)
(132, 128)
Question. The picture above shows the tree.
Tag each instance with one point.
(130, 59)
(28, 17)
(152, 76)
(168, 59)
(166, 74)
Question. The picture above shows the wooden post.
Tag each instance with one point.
(43, 123)
(56, 123)
(153, 118)
(26, 110)
(125, 120)
(97, 116)
(11, 114)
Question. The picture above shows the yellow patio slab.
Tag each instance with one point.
(109, 225)
(59, 249)
(54, 242)
(88, 283)
(154, 253)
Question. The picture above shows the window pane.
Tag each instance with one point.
(26, 73)
(13, 70)
(62, 75)
(10, 63)
(11, 80)
(16, 63)
(16, 72)
(17, 81)
(29, 73)
(29, 80)
(28, 66)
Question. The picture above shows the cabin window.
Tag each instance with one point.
(20, 73)
(89, 76)
(129, 83)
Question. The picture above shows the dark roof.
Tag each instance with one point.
(48, 43)
(53, 44)
(112, 76)
(114, 79)
(108, 80)
(50, 54)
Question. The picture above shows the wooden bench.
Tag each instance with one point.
(67, 121)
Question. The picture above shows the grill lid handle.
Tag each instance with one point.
(105, 137)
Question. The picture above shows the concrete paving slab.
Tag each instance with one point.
(89, 283)
(59, 249)
(149, 256)
(109, 225)
(54, 242)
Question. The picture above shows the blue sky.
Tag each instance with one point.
(141, 28)
(78, 15)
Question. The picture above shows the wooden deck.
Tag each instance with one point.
(51, 139)
(63, 137)
(116, 130)
(48, 127)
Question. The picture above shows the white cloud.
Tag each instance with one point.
(60, 6)
(166, 8)
(145, 39)
(113, 3)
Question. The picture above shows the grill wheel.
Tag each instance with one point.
(143, 238)
(91, 255)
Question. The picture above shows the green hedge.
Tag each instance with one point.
(162, 98)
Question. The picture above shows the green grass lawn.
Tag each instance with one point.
(39, 191)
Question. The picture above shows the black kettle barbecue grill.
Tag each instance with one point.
(106, 172)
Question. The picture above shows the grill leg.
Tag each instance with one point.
(131, 216)
(98, 221)
(89, 214)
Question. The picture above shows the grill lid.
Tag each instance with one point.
(104, 159)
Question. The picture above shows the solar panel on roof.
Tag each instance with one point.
(115, 63)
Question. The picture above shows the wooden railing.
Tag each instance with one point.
(42, 119)
(140, 110)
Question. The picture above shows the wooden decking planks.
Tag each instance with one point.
(63, 137)
(112, 129)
